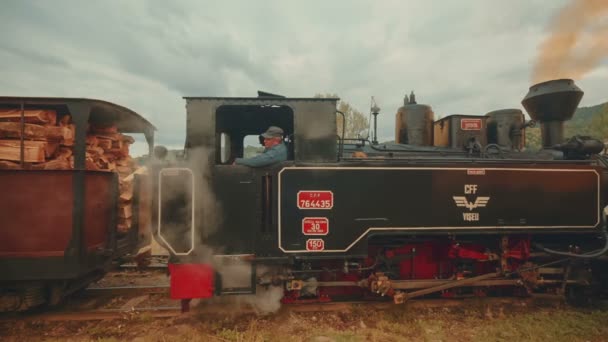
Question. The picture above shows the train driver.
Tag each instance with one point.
(275, 150)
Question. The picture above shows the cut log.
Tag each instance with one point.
(91, 165)
(127, 161)
(117, 144)
(124, 225)
(60, 133)
(127, 139)
(69, 134)
(96, 151)
(140, 171)
(7, 165)
(35, 116)
(125, 211)
(96, 129)
(103, 163)
(34, 151)
(116, 153)
(64, 152)
(112, 137)
(13, 130)
(50, 149)
(65, 120)
(91, 141)
(104, 143)
(123, 169)
(55, 164)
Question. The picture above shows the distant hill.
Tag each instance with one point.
(586, 121)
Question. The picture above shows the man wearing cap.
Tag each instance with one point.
(275, 150)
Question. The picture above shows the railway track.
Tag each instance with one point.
(120, 298)
(220, 309)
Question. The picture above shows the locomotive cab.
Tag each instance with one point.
(213, 211)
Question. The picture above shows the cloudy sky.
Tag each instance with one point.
(461, 57)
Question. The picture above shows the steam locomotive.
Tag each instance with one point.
(455, 206)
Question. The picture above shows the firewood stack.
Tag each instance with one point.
(108, 150)
(49, 145)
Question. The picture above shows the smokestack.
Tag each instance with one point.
(551, 103)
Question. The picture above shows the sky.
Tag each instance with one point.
(460, 57)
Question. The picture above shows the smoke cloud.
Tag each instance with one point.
(208, 211)
(577, 43)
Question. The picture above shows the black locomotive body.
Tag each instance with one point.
(454, 206)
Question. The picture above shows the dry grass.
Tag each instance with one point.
(475, 322)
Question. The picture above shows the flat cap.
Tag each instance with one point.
(273, 132)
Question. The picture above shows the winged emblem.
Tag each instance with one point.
(462, 201)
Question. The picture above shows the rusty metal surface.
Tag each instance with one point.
(37, 211)
(99, 208)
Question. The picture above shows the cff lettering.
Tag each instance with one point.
(470, 189)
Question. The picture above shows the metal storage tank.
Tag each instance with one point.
(504, 128)
(414, 123)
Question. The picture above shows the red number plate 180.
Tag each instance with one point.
(315, 245)
(315, 199)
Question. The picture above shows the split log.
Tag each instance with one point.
(104, 143)
(65, 120)
(96, 151)
(124, 224)
(64, 152)
(109, 136)
(91, 165)
(30, 131)
(34, 116)
(69, 134)
(140, 171)
(55, 164)
(125, 211)
(7, 165)
(126, 195)
(123, 170)
(34, 151)
(50, 148)
(92, 141)
(63, 134)
(117, 153)
(127, 161)
(103, 163)
(127, 139)
(97, 129)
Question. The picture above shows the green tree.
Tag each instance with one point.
(533, 138)
(356, 122)
(599, 123)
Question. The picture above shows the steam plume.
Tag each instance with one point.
(577, 43)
